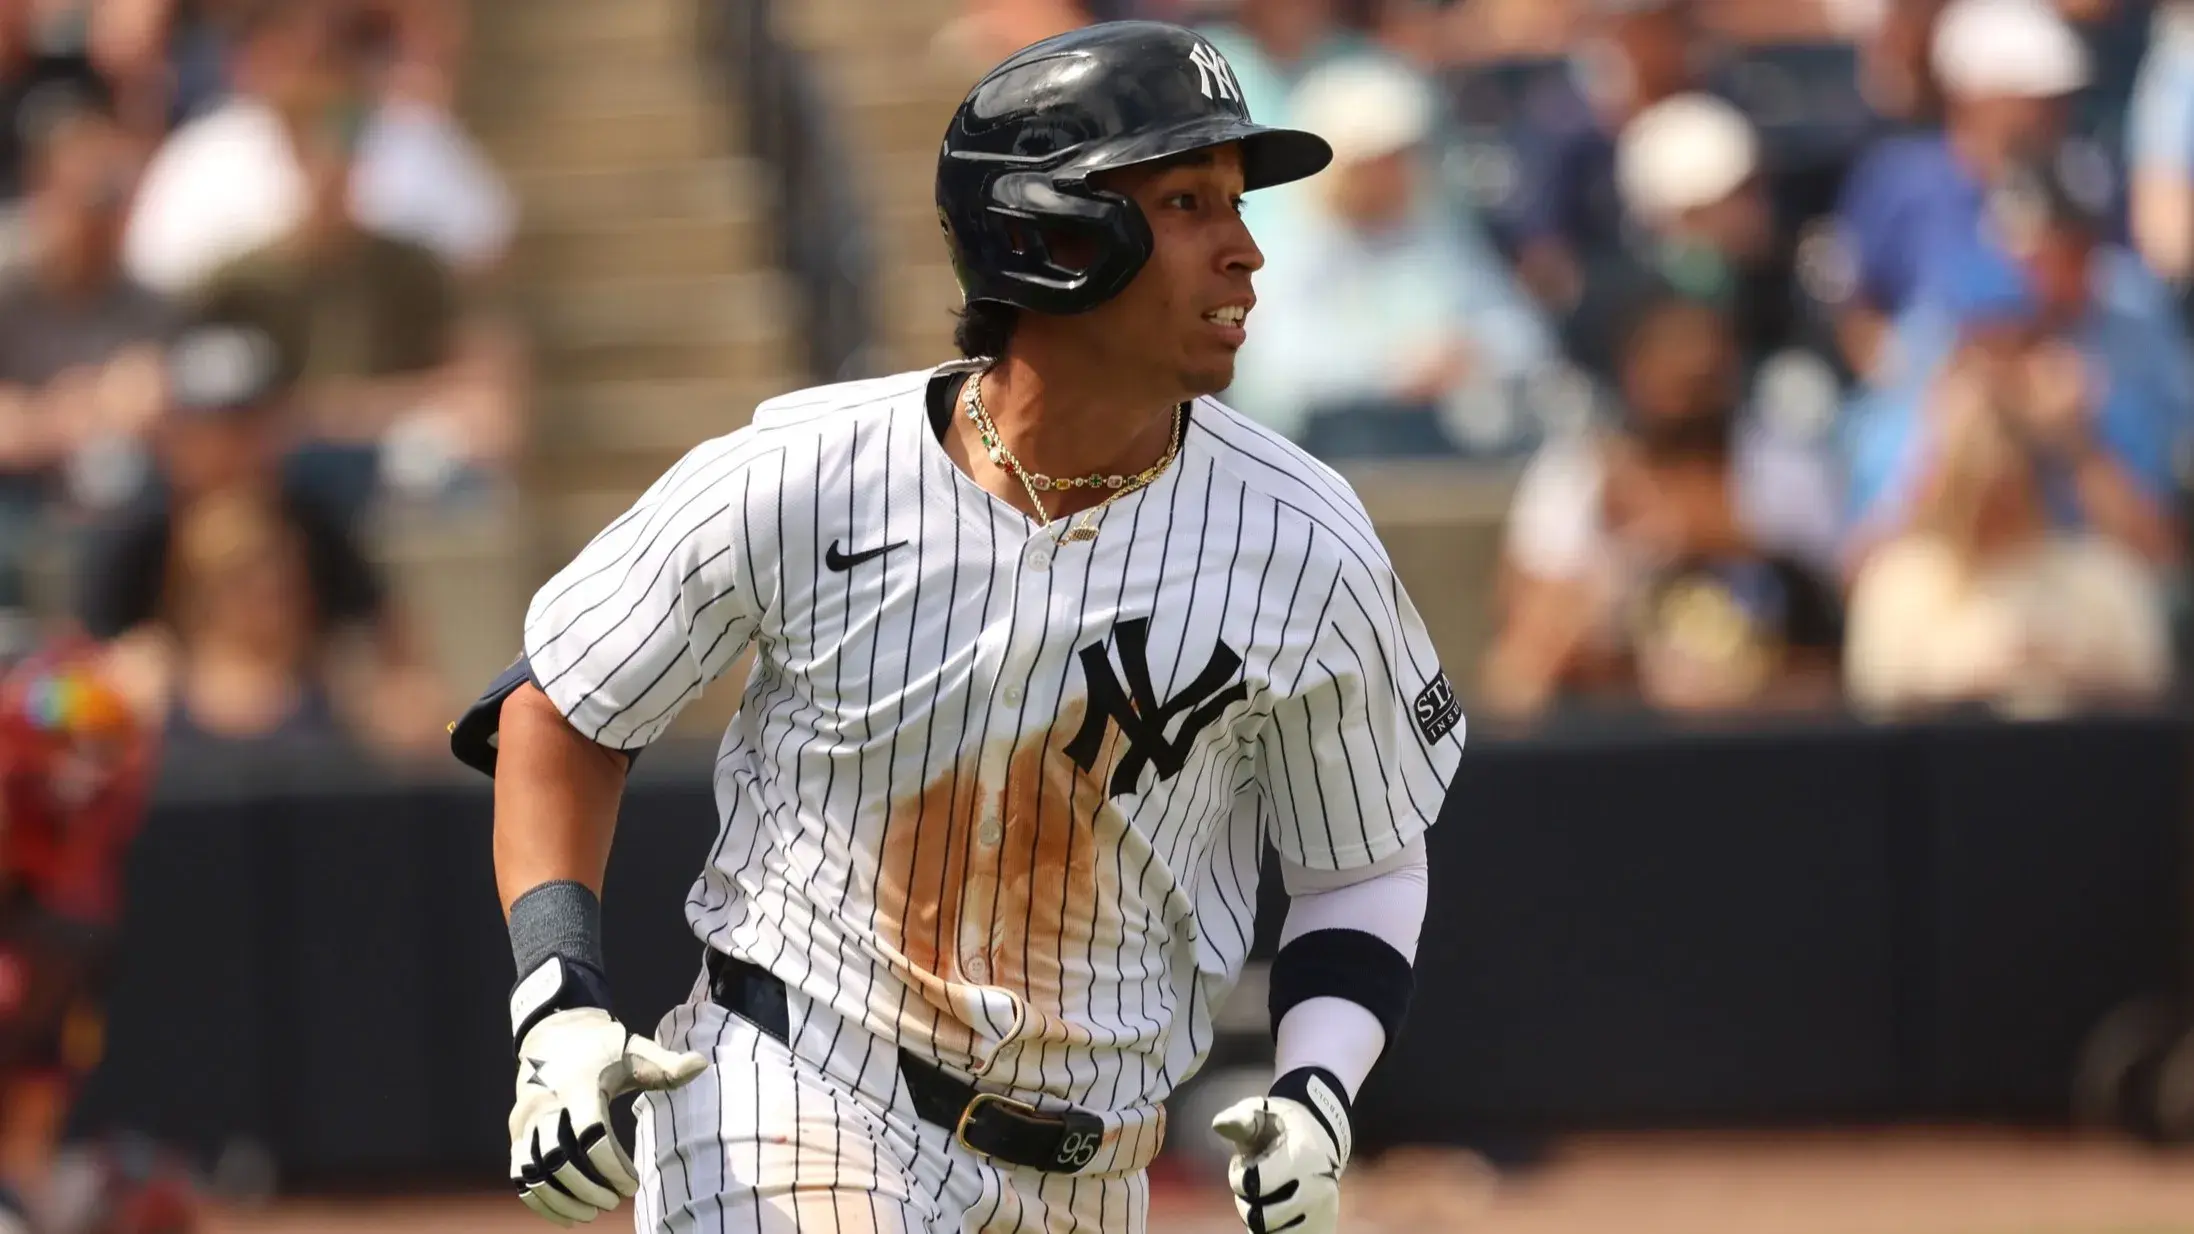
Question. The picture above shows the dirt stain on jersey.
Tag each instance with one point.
(1031, 907)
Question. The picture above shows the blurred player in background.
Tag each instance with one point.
(75, 774)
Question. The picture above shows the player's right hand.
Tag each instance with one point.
(565, 1160)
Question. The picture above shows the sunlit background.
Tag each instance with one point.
(1779, 410)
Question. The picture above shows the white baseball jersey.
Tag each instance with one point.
(994, 798)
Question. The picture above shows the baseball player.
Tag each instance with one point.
(1050, 647)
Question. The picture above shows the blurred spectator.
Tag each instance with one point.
(231, 619)
(230, 182)
(79, 341)
(199, 52)
(1673, 559)
(1410, 30)
(2008, 69)
(2116, 34)
(2160, 146)
(257, 210)
(127, 41)
(1896, 75)
(239, 612)
(1274, 44)
(1392, 319)
(2108, 397)
(373, 319)
(43, 72)
(1484, 33)
(1688, 169)
(419, 175)
(1981, 598)
(107, 52)
(1633, 54)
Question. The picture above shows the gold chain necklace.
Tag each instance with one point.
(1085, 526)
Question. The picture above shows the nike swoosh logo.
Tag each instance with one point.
(841, 562)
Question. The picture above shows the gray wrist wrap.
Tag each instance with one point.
(561, 919)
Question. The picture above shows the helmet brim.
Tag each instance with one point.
(1270, 156)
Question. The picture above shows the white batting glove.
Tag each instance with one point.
(565, 1161)
(1290, 1148)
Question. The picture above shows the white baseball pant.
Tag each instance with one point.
(822, 1138)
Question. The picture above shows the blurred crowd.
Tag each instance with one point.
(250, 301)
(1840, 346)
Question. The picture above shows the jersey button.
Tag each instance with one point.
(976, 966)
(1012, 695)
(1039, 556)
(989, 833)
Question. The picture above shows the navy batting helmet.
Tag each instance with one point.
(1019, 155)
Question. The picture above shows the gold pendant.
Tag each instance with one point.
(1078, 533)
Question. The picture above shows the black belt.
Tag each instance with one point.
(989, 1124)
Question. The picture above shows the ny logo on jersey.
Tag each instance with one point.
(1213, 74)
(1143, 720)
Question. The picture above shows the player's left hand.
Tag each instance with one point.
(1290, 1148)
(565, 1160)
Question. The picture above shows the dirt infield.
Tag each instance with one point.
(1892, 1183)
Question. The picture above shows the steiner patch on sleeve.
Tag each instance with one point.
(1438, 710)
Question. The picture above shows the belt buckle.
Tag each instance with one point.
(959, 1132)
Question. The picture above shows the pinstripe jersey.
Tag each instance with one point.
(998, 799)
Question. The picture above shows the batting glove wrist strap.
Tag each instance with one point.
(561, 917)
(555, 984)
(1322, 1093)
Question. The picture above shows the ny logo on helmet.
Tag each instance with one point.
(1213, 74)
